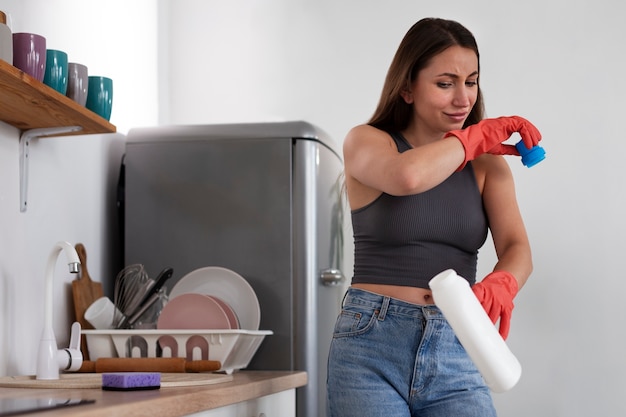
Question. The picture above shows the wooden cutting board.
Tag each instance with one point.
(94, 381)
(85, 292)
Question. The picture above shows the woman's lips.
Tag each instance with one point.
(457, 117)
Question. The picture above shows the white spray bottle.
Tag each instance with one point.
(496, 363)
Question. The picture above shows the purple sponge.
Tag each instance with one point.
(131, 381)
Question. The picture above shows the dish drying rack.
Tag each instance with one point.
(232, 348)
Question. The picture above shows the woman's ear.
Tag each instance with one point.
(407, 96)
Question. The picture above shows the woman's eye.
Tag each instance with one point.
(444, 84)
(471, 83)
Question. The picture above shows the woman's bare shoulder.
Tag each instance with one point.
(492, 164)
(491, 168)
(363, 134)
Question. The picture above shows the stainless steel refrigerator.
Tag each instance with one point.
(261, 199)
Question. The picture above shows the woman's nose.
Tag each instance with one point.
(462, 97)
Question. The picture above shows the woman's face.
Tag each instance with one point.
(444, 92)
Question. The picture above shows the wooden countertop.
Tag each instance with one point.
(165, 402)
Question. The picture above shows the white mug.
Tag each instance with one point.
(101, 313)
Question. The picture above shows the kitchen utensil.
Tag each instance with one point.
(159, 281)
(131, 285)
(193, 311)
(149, 312)
(84, 292)
(227, 285)
(152, 295)
(171, 365)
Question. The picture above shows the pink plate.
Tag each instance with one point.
(230, 313)
(193, 311)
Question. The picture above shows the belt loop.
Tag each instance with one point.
(383, 308)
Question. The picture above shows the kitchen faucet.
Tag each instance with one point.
(50, 359)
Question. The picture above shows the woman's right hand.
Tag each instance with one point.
(487, 136)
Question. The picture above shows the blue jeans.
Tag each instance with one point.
(392, 358)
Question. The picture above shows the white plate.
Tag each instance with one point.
(227, 285)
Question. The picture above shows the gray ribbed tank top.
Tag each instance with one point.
(408, 240)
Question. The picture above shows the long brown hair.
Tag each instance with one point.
(426, 38)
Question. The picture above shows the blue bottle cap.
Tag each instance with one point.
(530, 157)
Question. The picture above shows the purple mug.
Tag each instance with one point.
(29, 54)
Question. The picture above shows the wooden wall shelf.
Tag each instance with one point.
(27, 103)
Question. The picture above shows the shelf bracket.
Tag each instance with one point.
(25, 138)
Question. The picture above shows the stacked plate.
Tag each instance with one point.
(211, 298)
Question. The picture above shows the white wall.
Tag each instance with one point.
(559, 63)
(71, 179)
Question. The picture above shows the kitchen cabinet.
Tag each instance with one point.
(282, 404)
(26, 103)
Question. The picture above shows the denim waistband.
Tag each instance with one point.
(386, 304)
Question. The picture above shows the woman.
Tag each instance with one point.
(425, 181)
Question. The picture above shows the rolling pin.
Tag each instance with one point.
(166, 365)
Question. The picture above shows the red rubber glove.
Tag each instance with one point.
(487, 136)
(496, 292)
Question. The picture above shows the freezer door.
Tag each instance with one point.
(318, 265)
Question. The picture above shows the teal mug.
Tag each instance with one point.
(56, 70)
(100, 96)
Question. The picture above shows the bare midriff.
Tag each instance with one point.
(411, 295)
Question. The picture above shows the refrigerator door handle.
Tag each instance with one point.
(332, 277)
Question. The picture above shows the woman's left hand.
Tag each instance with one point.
(496, 292)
